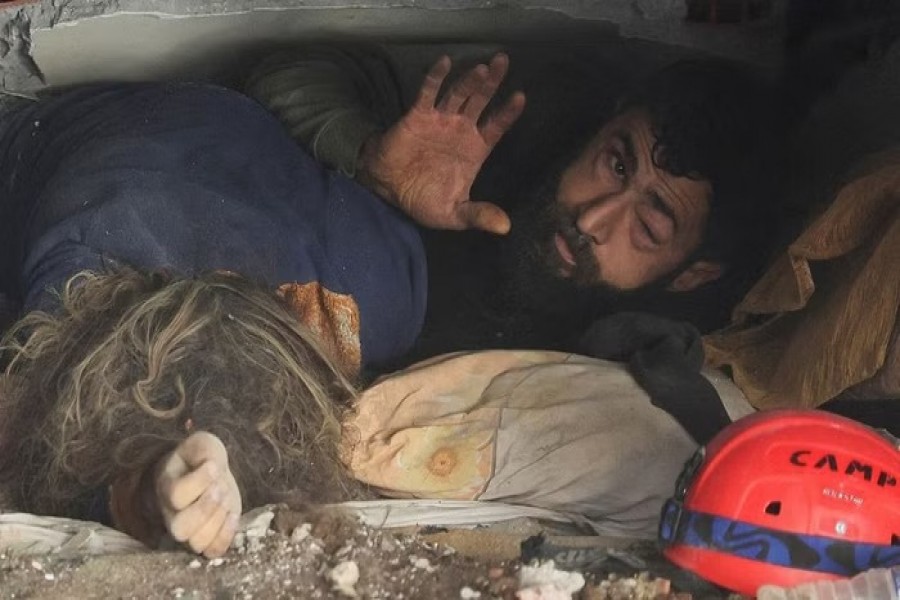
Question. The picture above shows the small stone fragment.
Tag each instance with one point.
(344, 578)
(468, 593)
(217, 562)
(301, 533)
(544, 581)
(194, 564)
(591, 592)
(253, 526)
(663, 586)
(421, 563)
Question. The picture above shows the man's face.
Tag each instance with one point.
(618, 220)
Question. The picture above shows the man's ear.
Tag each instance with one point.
(697, 274)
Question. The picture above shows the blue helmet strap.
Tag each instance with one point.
(780, 548)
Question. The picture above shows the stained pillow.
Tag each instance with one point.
(557, 431)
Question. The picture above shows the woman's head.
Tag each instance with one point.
(132, 363)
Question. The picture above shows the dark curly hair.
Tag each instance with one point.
(720, 121)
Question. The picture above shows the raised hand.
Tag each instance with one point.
(198, 496)
(426, 163)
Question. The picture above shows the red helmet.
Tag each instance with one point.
(785, 497)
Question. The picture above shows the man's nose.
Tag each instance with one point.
(599, 218)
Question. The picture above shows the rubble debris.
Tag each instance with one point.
(301, 533)
(642, 586)
(421, 563)
(253, 526)
(344, 578)
(353, 561)
(542, 580)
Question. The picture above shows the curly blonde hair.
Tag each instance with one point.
(132, 363)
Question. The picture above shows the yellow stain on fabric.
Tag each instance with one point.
(427, 432)
(332, 317)
(453, 460)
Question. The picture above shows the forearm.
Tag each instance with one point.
(331, 100)
(133, 508)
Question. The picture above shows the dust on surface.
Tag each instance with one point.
(328, 558)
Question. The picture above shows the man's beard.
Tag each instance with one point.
(532, 276)
(531, 269)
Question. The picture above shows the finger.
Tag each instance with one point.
(499, 123)
(233, 500)
(470, 84)
(428, 93)
(485, 216)
(201, 447)
(223, 539)
(204, 537)
(476, 104)
(186, 523)
(177, 493)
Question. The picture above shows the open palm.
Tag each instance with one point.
(427, 162)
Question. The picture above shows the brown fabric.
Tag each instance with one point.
(821, 319)
(885, 385)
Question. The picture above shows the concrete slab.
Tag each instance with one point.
(59, 42)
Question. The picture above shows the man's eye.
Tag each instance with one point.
(619, 167)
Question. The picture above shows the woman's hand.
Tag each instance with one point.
(198, 496)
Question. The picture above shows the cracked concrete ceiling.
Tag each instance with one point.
(60, 42)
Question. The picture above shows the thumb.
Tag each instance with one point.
(485, 216)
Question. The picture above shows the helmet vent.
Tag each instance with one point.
(773, 507)
(895, 539)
